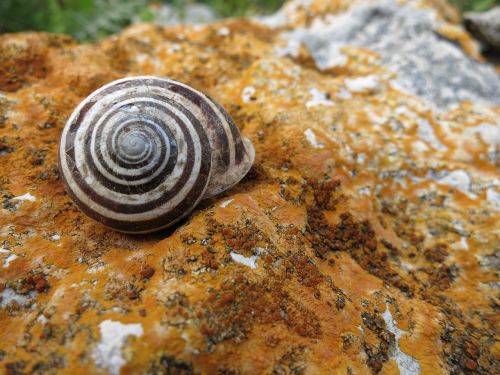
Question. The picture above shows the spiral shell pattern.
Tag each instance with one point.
(139, 153)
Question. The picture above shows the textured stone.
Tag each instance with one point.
(365, 239)
(410, 43)
(485, 26)
(166, 14)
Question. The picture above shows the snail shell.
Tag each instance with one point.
(139, 153)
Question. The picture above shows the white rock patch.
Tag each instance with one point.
(260, 250)
(343, 94)
(311, 137)
(326, 55)
(8, 295)
(8, 259)
(226, 203)
(493, 197)
(458, 179)
(247, 261)
(489, 133)
(426, 132)
(291, 49)
(406, 363)
(42, 319)
(318, 98)
(223, 31)
(360, 158)
(175, 47)
(365, 190)
(97, 267)
(108, 353)
(25, 197)
(402, 110)
(247, 94)
(362, 84)
(463, 242)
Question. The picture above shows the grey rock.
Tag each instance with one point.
(427, 64)
(169, 15)
(485, 27)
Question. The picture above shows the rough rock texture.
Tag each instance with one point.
(485, 26)
(410, 44)
(168, 15)
(365, 239)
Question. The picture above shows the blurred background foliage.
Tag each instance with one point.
(93, 19)
(475, 5)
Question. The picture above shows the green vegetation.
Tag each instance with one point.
(242, 8)
(475, 5)
(94, 19)
(83, 19)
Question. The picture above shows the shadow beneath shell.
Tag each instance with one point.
(254, 176)
(161, 234)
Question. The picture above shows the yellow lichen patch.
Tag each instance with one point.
(457, 34)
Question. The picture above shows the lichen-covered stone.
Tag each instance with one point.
(365, 239)
(426, 62)
(485, 26)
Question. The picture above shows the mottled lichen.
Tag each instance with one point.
(391, 211)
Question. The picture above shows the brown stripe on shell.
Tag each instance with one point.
(123, 188)
(213, 119)
(128, 208)
(129, 164)
(146, 226)
(239, 148)
(196, 98)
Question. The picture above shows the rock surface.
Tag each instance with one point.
(364, 240)
(485, 26)
(410, 42)
(169, 15)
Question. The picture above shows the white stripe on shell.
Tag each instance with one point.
(170, 181)
(148, 215)
(192, 108)
(121, 170)
(132, 158)
(135, 198)
(225, 124)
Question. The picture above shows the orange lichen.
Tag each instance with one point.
(333, 231)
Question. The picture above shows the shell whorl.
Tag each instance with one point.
(139, 153)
